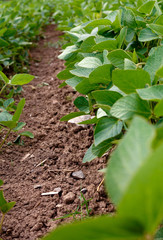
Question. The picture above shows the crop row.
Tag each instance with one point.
(116, 63)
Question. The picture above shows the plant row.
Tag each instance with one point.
(115, 62)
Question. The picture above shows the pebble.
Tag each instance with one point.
(69, 198)
(84, 190)
(58, 190)
(78, 175)
(37, 186)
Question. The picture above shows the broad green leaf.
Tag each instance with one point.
(3, 43)
(99, 228)
(158, 110)
(107, 128)
(160, 72)
(147, 192)
(82, 72)
(130, 105)
(146, 35)
(21, 79)
(65, 74)
(101, 74)
(4, 78)
(159, 136)
(95, 23)
(106, 97)
(7, 207)
(129, 18)
(102, 148)
(19, 110)
(89, 156)
(127, 159)
(109, 45)
(72, 115)
(68, 52)
(128, 64)
(117, 57)
(154, 62)
(159, 20)
(5, 116)
(130, 34)
(87, 44)
(8, 102)
(129, 80)
(147, 7)
(90, 62)
(19, 126)
(8, 124)
(82, 104)
(27, 134)
(158, 29)
(154, 93)
(73, 82)
(84, 87)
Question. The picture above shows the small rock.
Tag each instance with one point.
(69, 198)
(49, 193)
(59, 205)
(37, 186)
(58, 190)
(78, 175)
(84, 190)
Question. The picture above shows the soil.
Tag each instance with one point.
(47, 161)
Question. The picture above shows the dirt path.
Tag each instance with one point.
(60, 145)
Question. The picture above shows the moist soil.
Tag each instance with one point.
(48, 161)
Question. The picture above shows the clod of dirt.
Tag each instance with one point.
(78, 175)
(69, 198)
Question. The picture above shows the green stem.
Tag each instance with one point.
(4, 140)
(1, 223)
(3, 88)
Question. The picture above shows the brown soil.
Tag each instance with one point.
(60, 145)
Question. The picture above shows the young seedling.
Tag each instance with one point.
(5, 206)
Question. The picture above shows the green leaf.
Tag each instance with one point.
(147, 207)
(109, 45)
(128, 64)
(95, 23)
(127, 159)
(1, 182)
(8, 124)
(146, 35)
(106, 97)
(130, 105)
(90, 62)
(7, 207)
(72, 115)
(5, 116)
(8, 102)
(3, 43)
(117, 57)
(158, 29)
(2, 199)
(129, 80)
(159, 234)
(73, 82)
(21, 79)
(65, 74)
(82, 104)
(4, 78)
(160, 72)
(147, 7)
(103, 147)
(129, 18)
(84, 87)
(19, 126)
(154, 62)
(89, 156)
(27, 134)
(107, 128)
(87, 44)
(99, 228)
(158, 110)
(82, 72)
(154, 93)
(101, 74)
(19, 110)
(68, 52)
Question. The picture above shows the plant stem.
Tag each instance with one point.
(3, 88)
(4, 140)
(1, 223)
